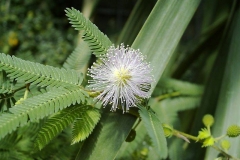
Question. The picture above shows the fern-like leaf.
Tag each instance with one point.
(57, 123)
(85, 124)
(155, 130)
(38, 74)
(38, 107)
(98, 42)
(79, 58)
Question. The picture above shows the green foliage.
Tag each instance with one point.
(33, 31)
(6, 86)
(154, 128)
(39, 74)
(167, 23)
(54, 101)
(79, 58)
(106, 139)
(14, 146)
(54, 125)
(97, 41)
(183, 87)
(38, 107)
(227, 108)
(85, 123)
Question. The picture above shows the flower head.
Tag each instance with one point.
(233, 131)
(225, 144)
(122, 77)
(208, 120)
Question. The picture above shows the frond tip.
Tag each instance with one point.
(57, 123)
(97, 41)
(84, 124)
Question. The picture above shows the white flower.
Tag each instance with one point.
(122, 77)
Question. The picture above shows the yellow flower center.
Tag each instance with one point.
(122, 75)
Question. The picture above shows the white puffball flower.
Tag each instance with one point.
(122, 77)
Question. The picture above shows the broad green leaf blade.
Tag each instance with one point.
(168, 109)
(212, 90)
(127, 149)
(228, 110)
(183, 87)
(85, 124)
(155, 131)
(135, 21)
(108, 136)
(162, 31)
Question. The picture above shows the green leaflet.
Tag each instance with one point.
(155, 131)
(38, 74)
(54, 125)
(85, 124)
(39, 107)
(97, 41)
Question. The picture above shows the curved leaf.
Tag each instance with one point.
(167, 23)
(155, 131)
(227, 111)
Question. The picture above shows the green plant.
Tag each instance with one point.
(41, 105)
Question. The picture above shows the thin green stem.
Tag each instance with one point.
(176, 132)
(220, 137)
(13, 92)
(224, 153)
(26, 91)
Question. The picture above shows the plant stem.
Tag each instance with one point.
(224, 153)
(26, 91)
(176, 132)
